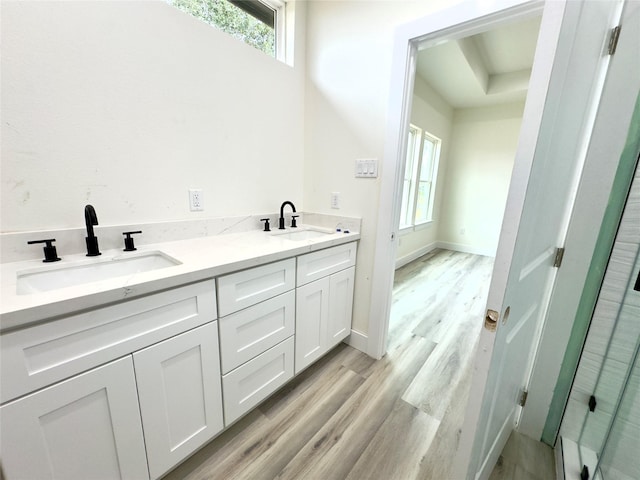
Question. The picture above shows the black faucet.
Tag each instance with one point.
(91, 219)
(281, 219)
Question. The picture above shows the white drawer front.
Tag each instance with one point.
(247, 333)
(39, 356)
(246, 386)
(313, 266)
(248, 287)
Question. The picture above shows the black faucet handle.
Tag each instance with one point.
(267, 227)
(128, 241)
(50, 253)
(293, 221)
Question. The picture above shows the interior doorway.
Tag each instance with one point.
(469, 93)
(565, 86)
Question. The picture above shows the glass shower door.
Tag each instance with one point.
(620, 458)
(601, 426)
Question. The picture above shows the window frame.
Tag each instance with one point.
(415, 164)
(279, 25)
(279, 15)
(258, 10)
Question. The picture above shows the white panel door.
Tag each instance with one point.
(180, 395)
(559, 109)
(312, 316)
(84, 427)
(340, 306)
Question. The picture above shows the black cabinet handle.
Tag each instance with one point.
(636, 287)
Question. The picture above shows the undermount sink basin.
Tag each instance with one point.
(303, 234)
(90, 270)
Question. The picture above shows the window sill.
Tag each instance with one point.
(423, 225)
(406, 230)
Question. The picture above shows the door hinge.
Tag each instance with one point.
(557, 261)
(613, 40)
(522, 401)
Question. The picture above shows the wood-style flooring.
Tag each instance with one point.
(351, 417)
(525, 459)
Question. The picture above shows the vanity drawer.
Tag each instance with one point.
(249, 384)
(38, 356)
(313, 266)
(248, 287)
(251, 331)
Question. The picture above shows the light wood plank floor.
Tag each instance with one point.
(351, 417)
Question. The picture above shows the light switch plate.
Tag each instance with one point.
(366, 168)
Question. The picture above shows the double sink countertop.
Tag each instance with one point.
(199, 259)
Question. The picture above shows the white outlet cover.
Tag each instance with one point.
(196, 200)
(335, 200)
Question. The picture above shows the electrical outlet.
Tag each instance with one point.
(196, 201)
(335, 200)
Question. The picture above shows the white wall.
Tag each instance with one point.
(127, 104)
(483, 147)
(432, 114)
(349, 53)
(478, 149)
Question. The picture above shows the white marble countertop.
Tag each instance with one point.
(201, 258)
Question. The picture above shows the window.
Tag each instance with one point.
(421, 169)
(259, 23)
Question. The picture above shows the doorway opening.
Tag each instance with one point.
(469, 93)
(566, 83)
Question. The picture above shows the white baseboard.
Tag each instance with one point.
(461, 247)
(401, 262)
(456, 247)
(358, 340)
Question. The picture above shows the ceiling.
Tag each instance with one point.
(485, 69)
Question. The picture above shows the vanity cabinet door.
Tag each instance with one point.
(323, 316)
(340, 306)
(85, 427)
(312, 316)
(180, 395)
